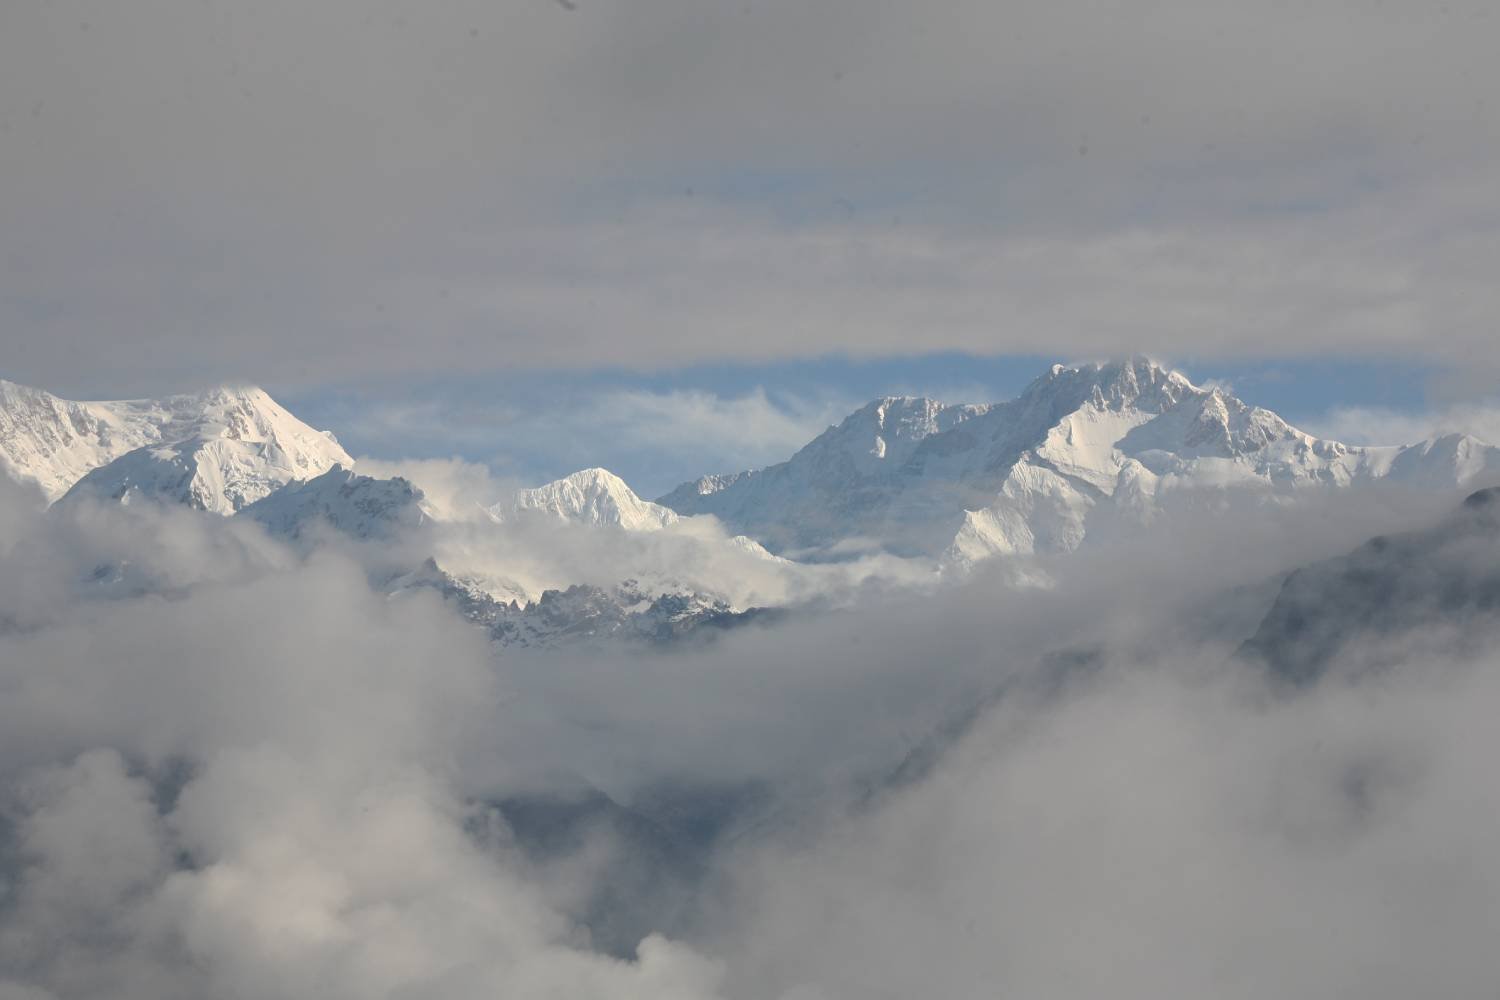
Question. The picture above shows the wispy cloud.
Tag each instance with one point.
(743, 431)
(654, 439)
(1377, 425)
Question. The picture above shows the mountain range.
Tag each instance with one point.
(574, 578)
(1085, 452)
(1083, 449)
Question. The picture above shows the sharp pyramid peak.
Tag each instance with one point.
(593, 494)
(595, 472)
(595, 477)
(232, 393)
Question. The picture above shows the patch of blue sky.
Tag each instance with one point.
(660, 428)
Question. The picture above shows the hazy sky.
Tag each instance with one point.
(345, 192)
(659, 429)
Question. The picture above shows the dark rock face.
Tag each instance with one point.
(1443, 582)
(588, 614)
(653, 855)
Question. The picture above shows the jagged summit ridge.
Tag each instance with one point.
(1083, 448)
(1137, 382)
(218, 450)
(902, 469)
(56, 442)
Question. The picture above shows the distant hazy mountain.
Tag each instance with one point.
(1440, 585)
(1082, 448)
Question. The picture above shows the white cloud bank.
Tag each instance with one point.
(230, 770)
(250, 789)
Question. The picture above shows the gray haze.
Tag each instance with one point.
(303, 193)
(231, 769)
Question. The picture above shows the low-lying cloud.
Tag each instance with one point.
(228, 768)
(1378, 425)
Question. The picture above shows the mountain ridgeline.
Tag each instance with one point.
(1082, 449)
(1083, 453)
(216, 451)
(1436, 590)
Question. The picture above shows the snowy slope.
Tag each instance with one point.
(358, 506)
(1084, 448)
(55, 442)
(221, 451)
(838, 487)
(592, 496)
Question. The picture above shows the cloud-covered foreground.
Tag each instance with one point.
(1161, 834)
(248, 789)
(229, 769)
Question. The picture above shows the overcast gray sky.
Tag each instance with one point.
(306, 193)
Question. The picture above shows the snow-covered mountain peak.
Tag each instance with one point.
(56, 442)
(1133, 383)
(1083, 445)
(216, 472)
(590, 496)
(359, 506)
(216, 450)
(880, 436)
(248, 413)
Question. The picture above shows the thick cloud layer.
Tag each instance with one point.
(289, 195)
(229, 769)
(247, 787)
(1164, 833)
